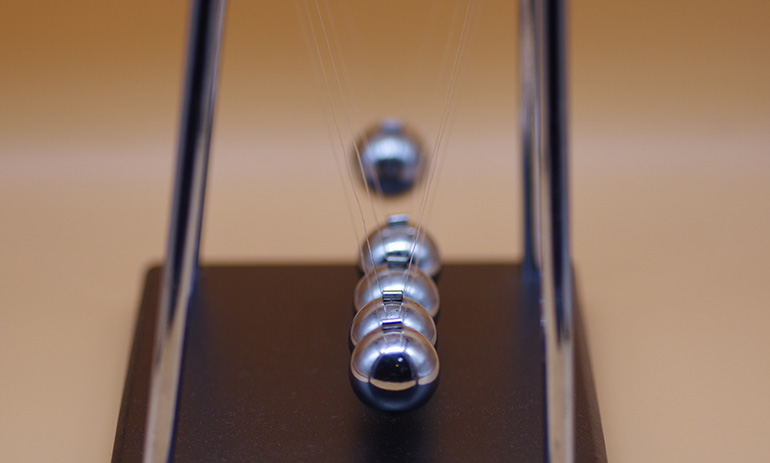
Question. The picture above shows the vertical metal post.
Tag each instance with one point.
(544, 122)
(529, 122)
(181, 265)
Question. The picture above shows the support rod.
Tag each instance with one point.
(181, 265)
(546, 221)
(529, 123)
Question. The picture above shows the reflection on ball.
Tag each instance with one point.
(391, 159)
(412, 281)
(396, 241)
(409, 313)
(394, 370)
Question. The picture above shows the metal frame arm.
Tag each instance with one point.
(547, 249)
(181, 266)
(546, 208)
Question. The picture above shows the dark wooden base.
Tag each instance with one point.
(265, 374)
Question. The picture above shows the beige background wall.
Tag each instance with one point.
(671, 179)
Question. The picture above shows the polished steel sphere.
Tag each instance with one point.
(394, 243)
(377, 313)
(411, 281)
(391, 158)
(394, 370)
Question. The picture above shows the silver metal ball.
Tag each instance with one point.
(413, 282)
(394, 370)
(377, 313)
(391, 156)
(395, 243)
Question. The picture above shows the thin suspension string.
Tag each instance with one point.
(432, 197)
(444, 64)
(430, 31)
(425, 45)
(349, 124)
(342, 143)
(448, 124)
(378, 186)
(428, 194)
(437, 143)
(309, 32)
(344, 72)
(437, 94)
(439, 136)
(356, 148)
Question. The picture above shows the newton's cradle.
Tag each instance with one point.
(216, 372)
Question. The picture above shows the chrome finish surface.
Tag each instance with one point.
(395, 243)
(391, 158)
(205, 36)
(379, 314)
(392, 295)
(543, 25)
(394, 370)
(419, 287)
(529, 120)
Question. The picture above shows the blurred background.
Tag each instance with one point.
(669, 107)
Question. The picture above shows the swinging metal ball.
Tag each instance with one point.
(377, 313)
(412, 281)
(391, 158)
(394, 370)
(395, 243)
